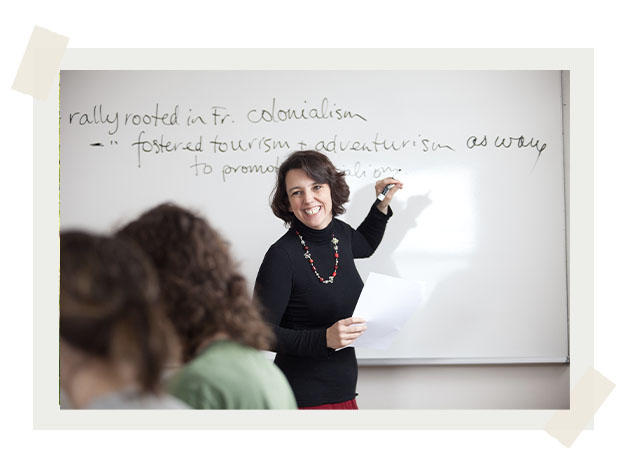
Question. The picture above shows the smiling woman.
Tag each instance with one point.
(309, 200)
(308, 282)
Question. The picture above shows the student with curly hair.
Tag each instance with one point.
(219, 326)
(115, 340)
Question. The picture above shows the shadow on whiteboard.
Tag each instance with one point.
(405, 218)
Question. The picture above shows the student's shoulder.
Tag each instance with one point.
(207, 367)
(223, 362)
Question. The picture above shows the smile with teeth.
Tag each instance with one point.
(312, 211)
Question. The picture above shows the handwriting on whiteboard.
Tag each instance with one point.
(220, 131)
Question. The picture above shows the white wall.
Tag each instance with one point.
(524, 386)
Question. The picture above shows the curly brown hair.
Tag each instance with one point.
(203, 291)
(321, 170)
(110, 306)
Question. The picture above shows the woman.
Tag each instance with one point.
(115, 341)
(219, 327)
(308, 282)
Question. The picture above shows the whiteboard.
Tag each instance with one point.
(480, 224)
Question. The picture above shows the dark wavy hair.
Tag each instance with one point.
(110, 305)
(321, 170)
(203, 291)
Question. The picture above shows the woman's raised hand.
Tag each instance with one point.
(343, 332)
(380, 186)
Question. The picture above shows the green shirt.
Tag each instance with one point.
(228, 375)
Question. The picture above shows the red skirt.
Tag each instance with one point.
(350, 404)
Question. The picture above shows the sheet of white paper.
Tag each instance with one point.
(386, 303)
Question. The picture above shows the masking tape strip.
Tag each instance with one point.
(588, 395)
(40, 63)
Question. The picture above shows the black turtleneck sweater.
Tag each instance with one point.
(300, 308)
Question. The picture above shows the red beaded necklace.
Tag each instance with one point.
(307, 256)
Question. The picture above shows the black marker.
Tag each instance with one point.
(382, 195)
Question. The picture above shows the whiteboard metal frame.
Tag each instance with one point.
(458, 361)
